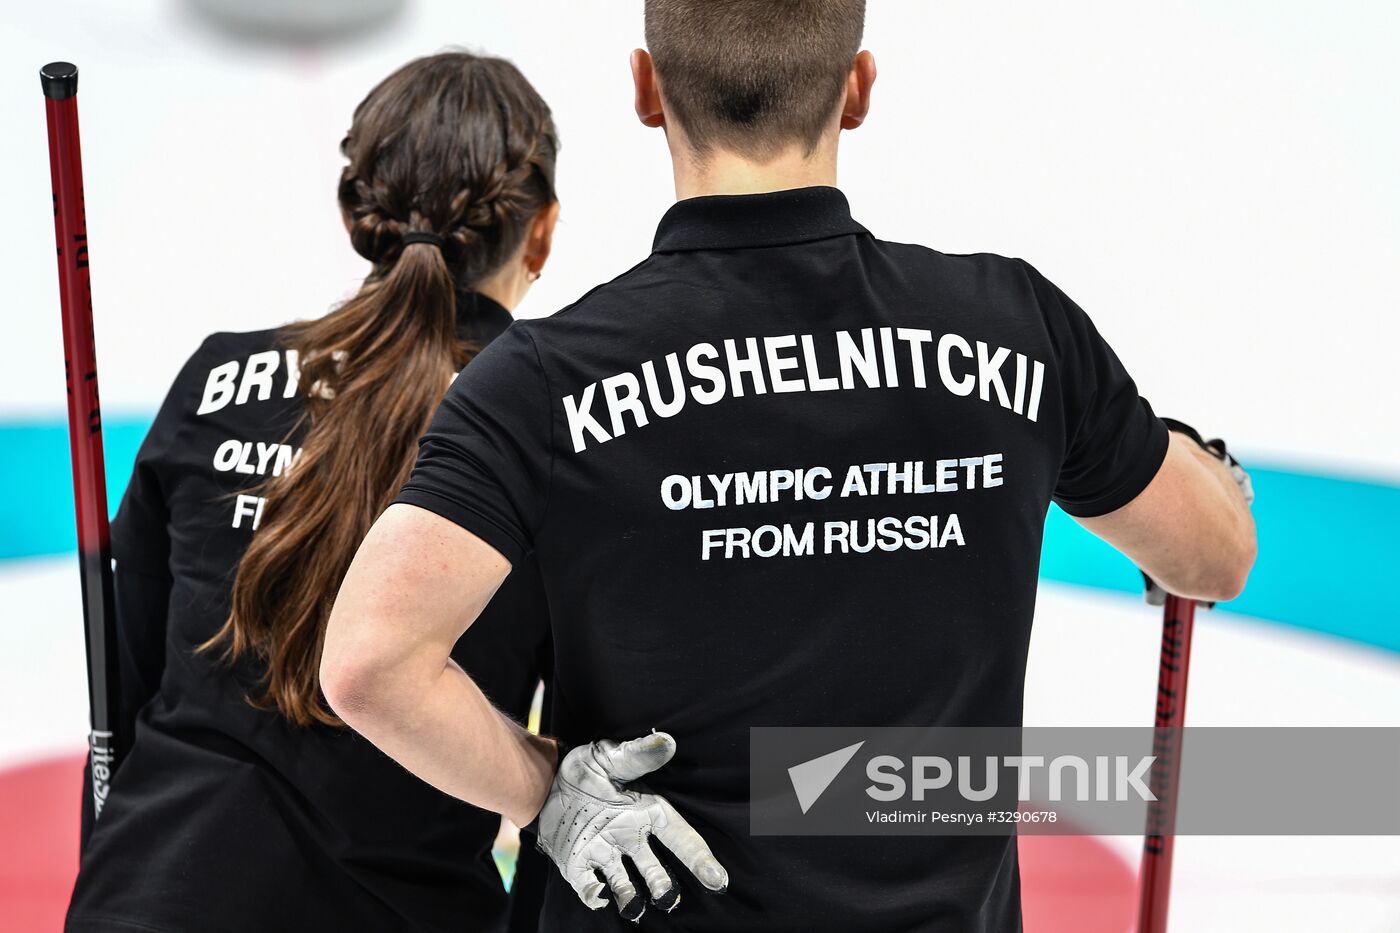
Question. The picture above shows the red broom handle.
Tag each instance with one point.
(1178, 618)
(60, 84)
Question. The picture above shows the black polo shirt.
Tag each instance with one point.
(782, 473)
(230, 819)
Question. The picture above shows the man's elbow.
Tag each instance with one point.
(1223, 578)
(347, 682)
(1240, 568)
(354, 680)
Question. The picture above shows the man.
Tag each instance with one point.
(781, 473)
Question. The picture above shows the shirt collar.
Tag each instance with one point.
(739, 221)
(480, 318)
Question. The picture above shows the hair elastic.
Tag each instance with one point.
(416, 237)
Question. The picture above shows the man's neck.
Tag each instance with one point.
(725, 172)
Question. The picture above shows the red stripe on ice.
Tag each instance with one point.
(38, 842)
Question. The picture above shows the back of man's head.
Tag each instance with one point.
(753, 76)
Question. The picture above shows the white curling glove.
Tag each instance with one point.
(590, 823)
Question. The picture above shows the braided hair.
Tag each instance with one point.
(462, 148)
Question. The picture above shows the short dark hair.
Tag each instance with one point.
(753, 76)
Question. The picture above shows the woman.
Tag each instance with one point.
(243, 804)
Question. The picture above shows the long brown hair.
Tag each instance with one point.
(456, 145)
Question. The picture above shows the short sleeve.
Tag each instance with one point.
(140, 535)
(486, 460)
(1114, 444)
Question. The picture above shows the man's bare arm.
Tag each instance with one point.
(416, 584)
(1190, 530)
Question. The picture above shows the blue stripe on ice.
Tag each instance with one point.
(1328, 553)
(36, 514)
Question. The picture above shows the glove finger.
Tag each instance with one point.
(685, 844)
(664, 893)
(630, 760)
(624, 891)
(588, 888)
(1155, 595)
(1244, 482)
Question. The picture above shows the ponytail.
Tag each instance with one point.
(374, 370)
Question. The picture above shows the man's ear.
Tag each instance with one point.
(648, 97)
(540, 241)
(858, 84)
